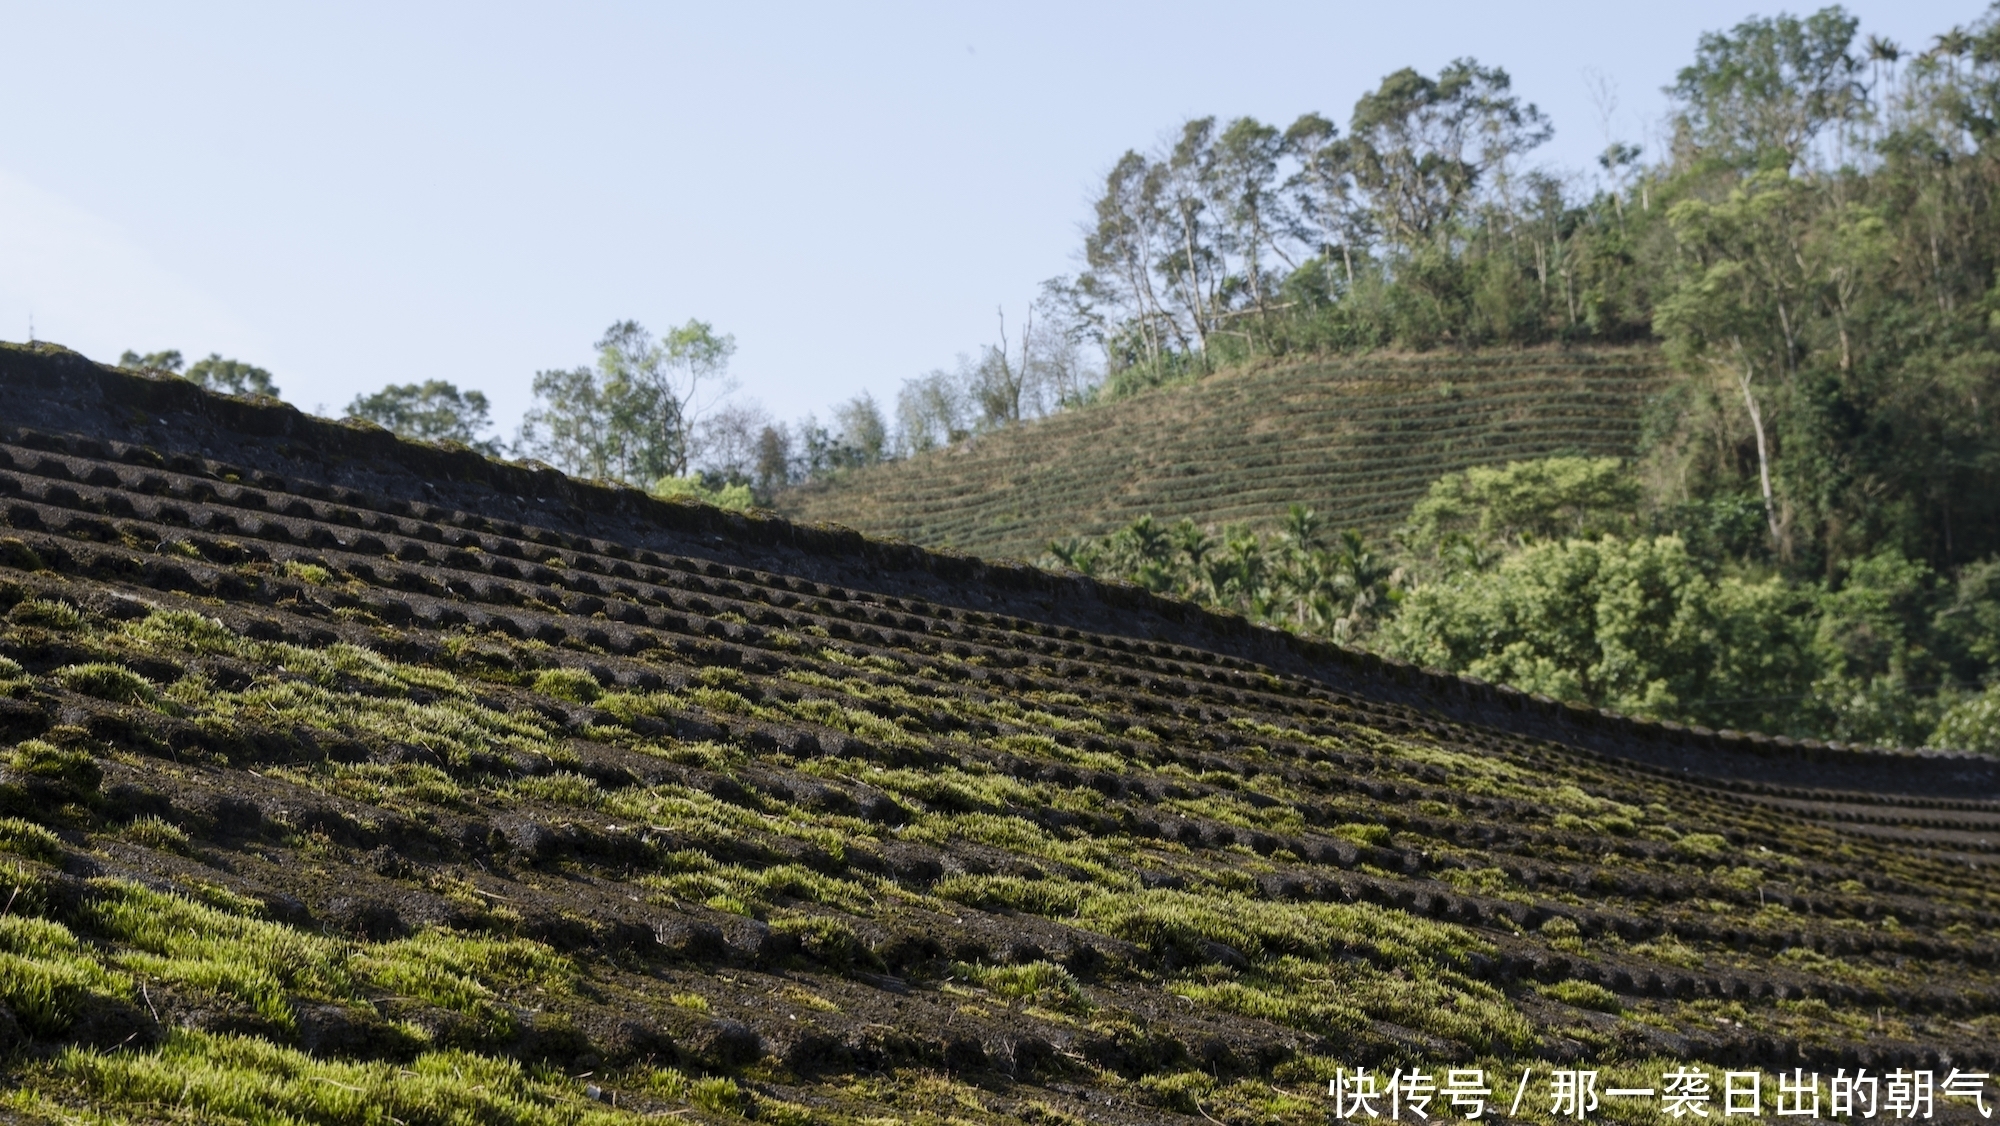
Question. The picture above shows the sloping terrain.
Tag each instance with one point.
(350, 780)
(1357, 439)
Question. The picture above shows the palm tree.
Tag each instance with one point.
(1077, 553)
(1245, 566)
(1954, 45)
(1305, 580)
(1301, 528)
(1147, 540)
(1883, 54)
(1195, 548)
(1881, 51)
(1368, 581)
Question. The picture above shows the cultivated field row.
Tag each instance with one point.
(1358, 440)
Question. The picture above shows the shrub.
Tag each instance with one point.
(159, 833)
(18, 555)
(1972, 723)
(1040, 983)
(1363, 834)
(1563, 934)
(47, 977)
(1053, 898)
(311, 573)
(718, 1096)
(827, 941)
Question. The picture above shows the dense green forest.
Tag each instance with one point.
(1551, 576)
(1808, 538)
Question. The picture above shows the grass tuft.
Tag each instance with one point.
(115, 683)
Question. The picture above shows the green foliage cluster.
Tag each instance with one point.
(1298, 577)
(431, 411)
(632, 416)
(229, 377)
(1552, 577)
(735, 496)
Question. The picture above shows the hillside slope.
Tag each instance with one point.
(1358, 439)
(352, 780)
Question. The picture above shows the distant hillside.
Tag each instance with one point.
(1358, 439)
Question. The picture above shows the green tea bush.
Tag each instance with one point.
(157, 832)
(1040, 983)
(1701, 846)
(25, 838)
(115, 683)
(46, 613)
(73, 774)
(48, 977)
(185, 630)
(1584, 995)
(574, 685)
(828, 941)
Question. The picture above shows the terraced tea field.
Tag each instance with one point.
(1358, 439)
(349, 780)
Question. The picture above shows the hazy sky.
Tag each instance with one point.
(358, 194)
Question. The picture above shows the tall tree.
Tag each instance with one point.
(1191, 261)
(231, 377)
(633, 416)
(1422, 146)
(1243, 177)
(1763, 91)
(1120, 251)
(168, 362)
(1327, 217)
(431, 411)
(863, 434)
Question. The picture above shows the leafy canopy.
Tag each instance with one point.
(1636, 625)
(1422, 145)
(1524, 502)
(168, 362)
(231, 377)
(431, 411)
(1759, 94)
(632, 417)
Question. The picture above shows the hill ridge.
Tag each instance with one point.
(1481, 702)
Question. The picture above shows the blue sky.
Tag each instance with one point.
(358, 194)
